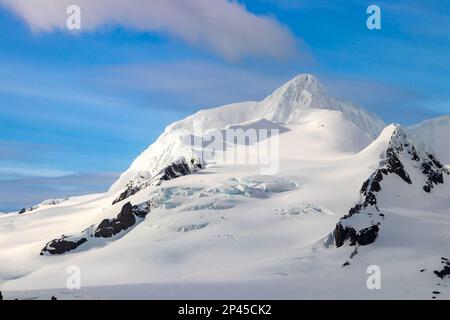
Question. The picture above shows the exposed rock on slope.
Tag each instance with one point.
(62, 245)
(108, 228)
(175, 170)
(445, 272)
(362, 224)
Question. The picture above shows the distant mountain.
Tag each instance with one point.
(434, 133)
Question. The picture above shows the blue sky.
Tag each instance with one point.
(77, 107)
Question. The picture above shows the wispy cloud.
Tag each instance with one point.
(12, 172)
(221, 26)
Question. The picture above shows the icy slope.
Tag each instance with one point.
(434, 133)
(289, 104)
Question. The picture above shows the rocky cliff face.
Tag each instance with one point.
(363, 223)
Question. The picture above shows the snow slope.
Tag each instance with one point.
(434, 133)
(172, 228)
(289, 104)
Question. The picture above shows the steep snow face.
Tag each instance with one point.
(404, 204)
(289, 103)
(294, 103)
(434, 133)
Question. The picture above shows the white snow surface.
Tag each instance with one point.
(228, 232)
(434, 134)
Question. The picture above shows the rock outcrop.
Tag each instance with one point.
(62, 245)
(357, 231)
(174, 170)
(110, 227)
(126, 219)
(445, 272)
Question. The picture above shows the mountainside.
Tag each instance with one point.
(288, 105)
(345, 194)
(419, 170)
(434, 134)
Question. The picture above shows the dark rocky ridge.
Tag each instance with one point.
(173, 171)
(108, 228)
(128, 192)
(399, 148)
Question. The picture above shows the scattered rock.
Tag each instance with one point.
(445, 272)
(436, 292)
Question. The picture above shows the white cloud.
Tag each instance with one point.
(15, 172)
(222, 26)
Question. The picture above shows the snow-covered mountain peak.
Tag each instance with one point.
(389, 132)
(292, 101)
(288, 103)
(297, 86)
